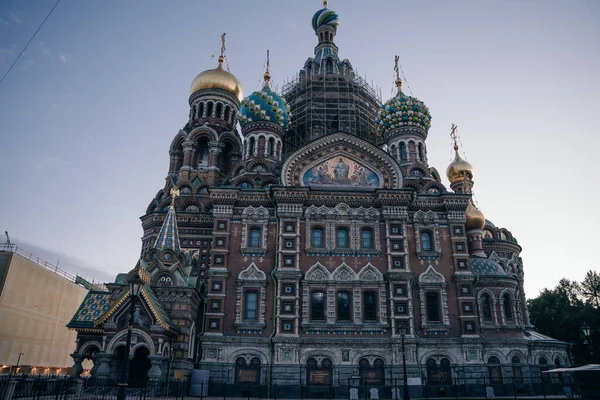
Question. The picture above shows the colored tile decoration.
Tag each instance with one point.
(403, 110)
(341, 171)
(435, 332)
(325, 16)
(250, 331)
(168, 237)
(484, 266)
(94, 305)
(343, 331)
(196, 181)
(265, 105)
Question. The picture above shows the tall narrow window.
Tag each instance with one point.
(329, 67)
(402, 151)
(370, 306)
(200, 110)
(317, 306)
(343, 306)
(317, 238)
(342, 238)
(517, 372)
(367, 239)
(433, 307)
(421, 152)
(251, 306)
(255, 237)
(486, 307)
(252, 144)
(495, 370)
(219, 110)
(426, 241)
(271, 146)
(507, 307)
(209, 109)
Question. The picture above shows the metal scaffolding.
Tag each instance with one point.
(328, 103)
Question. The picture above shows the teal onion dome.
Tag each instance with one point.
(403, 110)
(265, 105)
(325, 16)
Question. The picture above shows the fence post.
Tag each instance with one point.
(10, 390)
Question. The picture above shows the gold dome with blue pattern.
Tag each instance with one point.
(265, 105)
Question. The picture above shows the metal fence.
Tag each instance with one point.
(69, 388)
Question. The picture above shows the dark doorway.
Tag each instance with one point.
(139, 367)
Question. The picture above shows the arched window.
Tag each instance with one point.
(321, 36)
(227, 111)
(372, 375)
(200, 110)
(486, 307)
(209, 109)
(329, 67)
(317, 238)
(317, 306)
(402, 151)
(426, 241)
(247, 374)
(342, 238)
(507, 304)
(432, 300)
(254, 237)
(271, 146)
(319, 374)
(495, 370)
(344, 299)
(516, 367)
(439, 374)
(219, 110)
(367, 238)
(421, 152)
(251, 306)
(251, 147)
(370, 306)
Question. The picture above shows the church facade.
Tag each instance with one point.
(301, 248)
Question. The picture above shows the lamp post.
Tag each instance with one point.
(135, 286)
(402, 329)
(587, 333)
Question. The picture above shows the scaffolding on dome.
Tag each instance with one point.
(327, 103)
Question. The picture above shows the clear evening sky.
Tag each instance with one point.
(88, 113)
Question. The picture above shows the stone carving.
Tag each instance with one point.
(431, 276)
(318, 273)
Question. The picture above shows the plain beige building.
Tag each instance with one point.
(36, 302)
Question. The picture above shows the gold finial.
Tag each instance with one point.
(267, 75)
(325, 3)
(453, 136)
(222, 56)
(174, 193)
(398, 80)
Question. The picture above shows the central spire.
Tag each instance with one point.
(222, 56)
(267, 74)
(397, 70)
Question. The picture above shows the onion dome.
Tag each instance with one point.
(325, 16)
(403, 110)
(218, 78)
(265, 105)
(459, 169)
(475, 218)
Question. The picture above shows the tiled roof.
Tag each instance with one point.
(168, 238)
(538, 337)
(159, 312)
(94, 305)
(484, 266)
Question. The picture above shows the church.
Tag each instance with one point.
(311, 244)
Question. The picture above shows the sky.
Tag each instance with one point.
(89, 111)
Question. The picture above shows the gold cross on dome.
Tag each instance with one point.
(453, 136)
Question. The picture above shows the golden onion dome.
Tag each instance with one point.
(475, 218)
(459, 169)
(218, 78)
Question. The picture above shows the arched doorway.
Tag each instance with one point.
(247, 374)
(87, 363)
(139, 367)
(372, 375)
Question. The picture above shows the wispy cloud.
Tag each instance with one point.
(4, 22)
(55, 106)
(15, 17)
(43, 48)
(91, 138)
(64, 58)
(5, 54)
